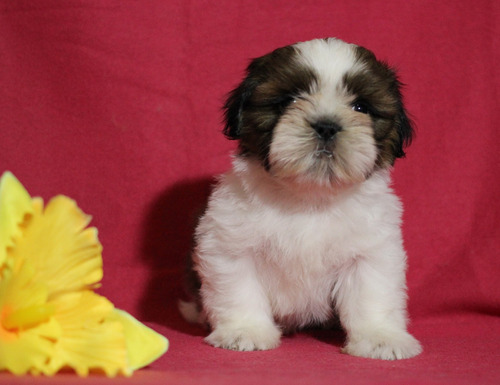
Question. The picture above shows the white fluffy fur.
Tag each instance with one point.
(269, 257)
(287, 247)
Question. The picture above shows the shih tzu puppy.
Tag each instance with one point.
(305, 227)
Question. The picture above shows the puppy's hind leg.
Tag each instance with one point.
(237, 308)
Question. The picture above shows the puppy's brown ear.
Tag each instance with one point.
(239, 98)
(234, 107)
(404, 127)
(278, 65)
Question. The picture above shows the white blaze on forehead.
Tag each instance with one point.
(331, 59)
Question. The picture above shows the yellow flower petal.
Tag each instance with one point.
(65, 254)
(20, 353)
(28, 317)
(144, 345)
(15, 205)
(19, 291)
(22, 349)
(89, 339)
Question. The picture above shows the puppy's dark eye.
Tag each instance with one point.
(284, 101)
(288, 100)
(360, 107)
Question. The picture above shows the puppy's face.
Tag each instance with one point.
(322, 111)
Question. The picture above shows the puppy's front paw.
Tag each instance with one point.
(383, 345)
(244, 338)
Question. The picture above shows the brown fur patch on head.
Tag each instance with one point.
(377, 86)
(253, 109)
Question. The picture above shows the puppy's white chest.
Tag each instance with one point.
(297, 258)
(306, 241)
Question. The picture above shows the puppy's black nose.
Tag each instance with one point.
(326, 129)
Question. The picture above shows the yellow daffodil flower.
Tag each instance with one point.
(50, 317)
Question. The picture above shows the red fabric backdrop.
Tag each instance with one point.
(117, 104)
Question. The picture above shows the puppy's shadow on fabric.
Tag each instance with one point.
(331, 335)
(166, 242)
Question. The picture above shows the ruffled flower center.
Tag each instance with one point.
(28, 317)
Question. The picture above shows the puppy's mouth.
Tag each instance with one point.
(323, 151)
